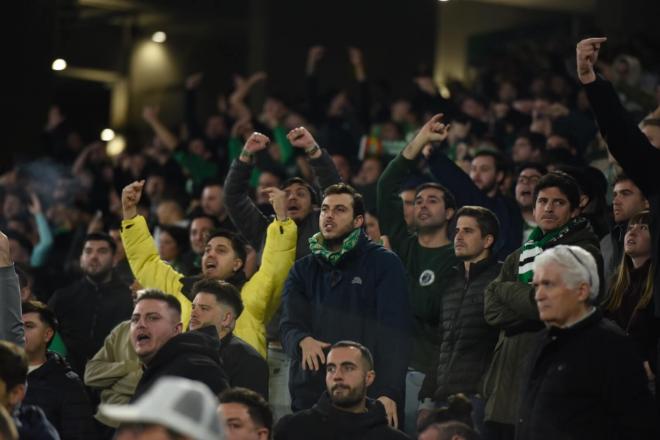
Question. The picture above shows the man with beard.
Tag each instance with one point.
(348, 288)
(223, 259)
(427, 253)
(528, 175)
(627, 200)
(90, 308)
(509, 300)
(218, 304)
(344, 410)
(481, 188)
(156, 335)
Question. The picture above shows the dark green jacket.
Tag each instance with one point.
(510, 306)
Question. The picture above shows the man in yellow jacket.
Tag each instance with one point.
(223, 259)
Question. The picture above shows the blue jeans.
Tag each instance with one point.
(278, 383)
(414, 381)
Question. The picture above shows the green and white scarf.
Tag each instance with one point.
(535, 245)
(318, 248)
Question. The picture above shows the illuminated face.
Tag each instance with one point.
(336, 220)
(525, 184)
(552, 209)
(483, 173)
(373, 228)
(37, 335)
(627, 200)
(206, 310)
(220, 260)
(429, 210)
(468, 241)
(239, 424)
(347, 377)
(153, 323)
(637, 242)
(96, 259)
(298, 202)
(652, 133)
(558, 304)
(199, 229)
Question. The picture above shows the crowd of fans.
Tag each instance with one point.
(347, 265)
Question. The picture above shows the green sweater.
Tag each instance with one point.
(427, 268)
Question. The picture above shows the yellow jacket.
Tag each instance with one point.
(261, 294)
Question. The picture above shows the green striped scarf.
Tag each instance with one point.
(317, 246)
(534, 246)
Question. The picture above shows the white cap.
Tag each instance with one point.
(182, 405)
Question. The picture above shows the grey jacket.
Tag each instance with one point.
(11, 320)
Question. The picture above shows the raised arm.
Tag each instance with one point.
(142, 254)
(322, 165)
(11, 319)
(242, 210)
(629, 146)
(390, 206)
(40, 251)
(263, 292)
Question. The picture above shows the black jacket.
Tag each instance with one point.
(638, 158)
(32, 424)
(87, 313)
(586, 382)
(363, 298)
(194, 355)
(467, 340)
(244, 366)
(325, 422)
(58, 391)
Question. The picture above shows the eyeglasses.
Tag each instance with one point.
(581, 264)
(528, 179)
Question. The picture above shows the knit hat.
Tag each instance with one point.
(182, 405)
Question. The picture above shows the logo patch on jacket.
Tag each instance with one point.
(426, 278)
(356, 280)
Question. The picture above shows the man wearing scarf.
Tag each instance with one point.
(509, 299)
(348, 288)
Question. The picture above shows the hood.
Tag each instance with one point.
(203, 341)
(54, 363)
(349, 422)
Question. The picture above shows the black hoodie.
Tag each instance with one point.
(326, 422)
(58, 391)
(194, 355)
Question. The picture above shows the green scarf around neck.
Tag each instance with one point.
(535, 245)
(318, 247)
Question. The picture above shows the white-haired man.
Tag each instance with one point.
(585, 379)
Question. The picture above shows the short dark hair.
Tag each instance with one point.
(343, 188)
(46, 315)
(300, 181)
(213, 220)
(621, 177)
(536, 140)
(237, 243)
(224, 292)
(531, 165)
(651, 122)
(159, 295)
(447, 196)
(498, 158)
(564, 182)
(366, 355)
(13, 364)
(258, 408)
(486, 219)
(458, 408)
(100, 236)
